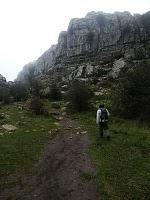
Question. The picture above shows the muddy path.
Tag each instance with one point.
(58, 173)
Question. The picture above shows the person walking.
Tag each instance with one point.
(102, 121)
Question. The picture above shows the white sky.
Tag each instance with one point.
(30, 27)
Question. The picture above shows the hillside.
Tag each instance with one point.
(96, 47)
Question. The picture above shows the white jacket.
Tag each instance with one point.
(99, 114)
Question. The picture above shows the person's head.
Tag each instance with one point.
(101, 106)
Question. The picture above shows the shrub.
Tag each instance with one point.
(79, 96)
(18, 91)
(35, 87)
(36, 106)
(131, 96)
(4, 95)
(55, 93)
(55, 105)
(33, 84)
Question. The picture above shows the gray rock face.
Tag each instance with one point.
(22, 76)
(9, 127)
(117, 66)
(97, 46)
(2, 80)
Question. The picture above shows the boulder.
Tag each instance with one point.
(9, 127)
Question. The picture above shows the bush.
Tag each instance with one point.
(36, 106)
(18, 91)
(131, 96)
(35, 87)
(79, 96)
(55, 105)
(55, 93)
(4, 95)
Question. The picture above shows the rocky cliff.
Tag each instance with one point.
(2, 80)
(97, 47)
(4, 84)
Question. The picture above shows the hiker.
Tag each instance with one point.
(102, 121)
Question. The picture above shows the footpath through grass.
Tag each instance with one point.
(19, 149)
(123, 163)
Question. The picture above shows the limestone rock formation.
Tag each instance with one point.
(9, 127)
(4, 83)
(97, 46)
(2, 80)
(4, 88)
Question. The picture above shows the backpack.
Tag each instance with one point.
(104, 115)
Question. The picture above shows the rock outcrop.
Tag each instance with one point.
(4, 88)
(2, 81)
(98, 46)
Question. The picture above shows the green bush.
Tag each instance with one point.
(4, 95)
(36, 106)
(55, 105)
(131, 96)
(79, 96)
(19, 91)
(55, 93)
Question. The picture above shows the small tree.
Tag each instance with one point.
(35, 105)
(36, 87)
(33, 84)
(19, 91)
(131, 96)
(4, 95)
(79, 96)
(55, 93)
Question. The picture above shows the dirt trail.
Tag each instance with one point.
(57, 175)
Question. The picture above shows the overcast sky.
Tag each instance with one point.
(30, 27)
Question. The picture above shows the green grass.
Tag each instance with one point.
(21, 148)
(123, 163)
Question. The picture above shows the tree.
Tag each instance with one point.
(131, 96)
(79, 96)
(55, 93)
(4, 94)
(19, 91)
(35, 105)
(33, 84)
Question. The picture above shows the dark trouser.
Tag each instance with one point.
(102, 127)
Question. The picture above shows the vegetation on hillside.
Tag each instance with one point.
(79, 96)
(4, 95)
(131, 95)
(55, 93)
(19, 91)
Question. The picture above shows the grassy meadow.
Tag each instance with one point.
(123, 163)
(20, 148)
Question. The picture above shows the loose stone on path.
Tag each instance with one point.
(9, 127)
